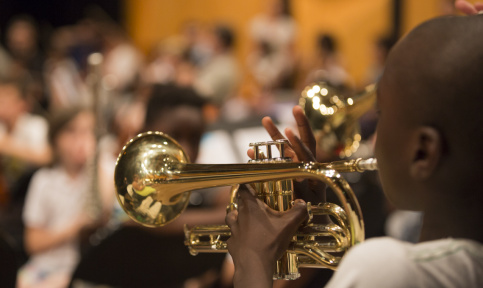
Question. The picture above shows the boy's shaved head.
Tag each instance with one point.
(431, 118)
(437, 75)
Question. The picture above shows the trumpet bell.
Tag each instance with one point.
(334, 116)
(144, 162)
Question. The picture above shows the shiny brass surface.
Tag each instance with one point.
(334, 116)
(153, 178)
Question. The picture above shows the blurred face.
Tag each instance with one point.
(75, 144)
(185, 124)
(21, 37)
(275, 7)
(11, 103)
(392, 144)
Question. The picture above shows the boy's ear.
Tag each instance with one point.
(427, 152)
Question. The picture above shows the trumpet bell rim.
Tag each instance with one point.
(143, 162)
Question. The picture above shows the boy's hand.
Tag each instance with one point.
(301, 149)
(259, 237)
(468, 8)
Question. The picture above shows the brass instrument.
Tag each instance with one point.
(153, 178)
(93, 201)
(333, 116)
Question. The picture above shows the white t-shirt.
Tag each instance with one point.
(279, 33)
(54, 201)
(29, 131)
(218, 79)
(386, 262)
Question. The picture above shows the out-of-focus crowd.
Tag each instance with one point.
(55, 119)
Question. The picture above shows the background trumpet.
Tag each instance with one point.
(334, 116)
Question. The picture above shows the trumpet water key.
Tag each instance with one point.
(153, 178)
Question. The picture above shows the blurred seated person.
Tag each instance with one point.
(56, 200)
(62, 77)
(22, 44)
(165, 61)
(122, 61)
(328, 63)
(272, 60)
(218, 79)
(23, 136)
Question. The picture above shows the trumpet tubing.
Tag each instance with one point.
(153, 178)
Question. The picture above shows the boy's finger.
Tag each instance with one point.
(272, 129)
(479, 6)
(298, 214)
(304, 128)
(231, 220)
(251, 154)
(275, 134)
(245, 196)
(301, 150)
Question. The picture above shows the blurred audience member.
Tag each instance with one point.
(55, 204)
(382, 46)
(122, 63)
(272, 60)
(27, 57)
(177, 111)
(23, 136)
(62, 76)
(328, 64)
(87, 41)
(22, 44)
(165, 62)
(219, 77)
(199, 49)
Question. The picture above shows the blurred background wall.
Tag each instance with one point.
(356, 24)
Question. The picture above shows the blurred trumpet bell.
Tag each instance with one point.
(334, 116)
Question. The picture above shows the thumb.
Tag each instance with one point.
(298, 214)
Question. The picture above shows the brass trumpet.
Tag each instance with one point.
(334, 116)
(153, 178)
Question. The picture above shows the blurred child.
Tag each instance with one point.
(23, 136)
(428, 150)
(53, 212)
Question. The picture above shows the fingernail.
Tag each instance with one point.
(299, 202)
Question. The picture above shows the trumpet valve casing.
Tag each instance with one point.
(278, 195)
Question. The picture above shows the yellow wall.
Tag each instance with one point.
(355, 23)
(417, 11)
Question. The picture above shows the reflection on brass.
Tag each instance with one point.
(334, 117)
(153, 178)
